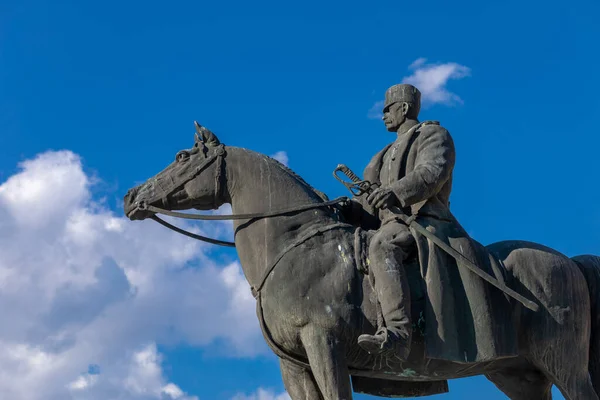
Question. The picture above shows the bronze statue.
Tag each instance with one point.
(443, 306)
(414, 173)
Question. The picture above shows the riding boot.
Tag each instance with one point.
(391, 286)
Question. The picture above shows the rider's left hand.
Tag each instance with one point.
(382, 198)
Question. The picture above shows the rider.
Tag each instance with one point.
(465, 319)
(401, 187)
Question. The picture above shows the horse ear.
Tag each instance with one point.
(209, 138)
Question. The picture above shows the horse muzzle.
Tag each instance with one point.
(134, 206)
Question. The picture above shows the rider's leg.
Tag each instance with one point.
(388, 249)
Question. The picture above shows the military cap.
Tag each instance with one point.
(402, 93)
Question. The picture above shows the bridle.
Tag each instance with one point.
(218, 156)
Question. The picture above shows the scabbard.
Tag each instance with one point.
(464, 261)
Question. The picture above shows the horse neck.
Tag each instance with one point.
(257, 183)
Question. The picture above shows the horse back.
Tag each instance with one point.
(552, 280)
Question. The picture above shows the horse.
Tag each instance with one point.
(313, 299)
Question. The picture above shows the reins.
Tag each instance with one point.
(230, 217)
(219, 156)
(192, 235)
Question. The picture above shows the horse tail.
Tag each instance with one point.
(590, 266)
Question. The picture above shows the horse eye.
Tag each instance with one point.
(182, 155)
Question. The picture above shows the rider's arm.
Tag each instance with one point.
(433, 166)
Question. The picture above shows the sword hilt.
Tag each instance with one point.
(356, 186)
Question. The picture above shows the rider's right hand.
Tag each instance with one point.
(382, 197)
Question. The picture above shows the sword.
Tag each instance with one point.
(359, 187)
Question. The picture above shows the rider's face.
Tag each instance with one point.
(394, 116)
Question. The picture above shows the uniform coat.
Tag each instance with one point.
(466, 319)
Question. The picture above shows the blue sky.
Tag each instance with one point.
(98, 96)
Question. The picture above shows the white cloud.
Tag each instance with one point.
(138, 377)
(376, 111)
(83, 382)
(282, 157)
(89, 293)
(145, 377)
(262, 394)
(173, 390)
(31, 199)
(431, 79)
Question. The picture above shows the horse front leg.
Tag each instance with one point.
(328, 363)
(299, 382)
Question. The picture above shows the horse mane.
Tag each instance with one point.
(287, 169)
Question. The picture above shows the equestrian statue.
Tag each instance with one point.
(385, 293)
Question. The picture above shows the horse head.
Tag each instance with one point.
(195, 179)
